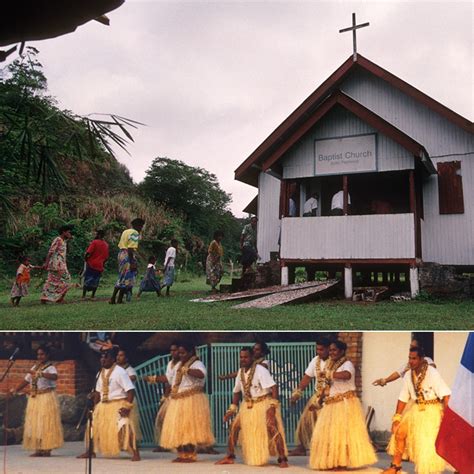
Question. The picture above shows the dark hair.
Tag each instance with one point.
(254, 217)
(323, 341)
(342, 346)
(419, 350)
(138, 222)
(247, 349)
(65, 228)
(111, 352)
(218, 233)
(44, 348)
(151, 258)
(175, 343)
(100, 234)
(188, 346)
(174, 242)
(23, 258)
(263, 345)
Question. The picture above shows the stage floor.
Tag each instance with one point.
(64, 461)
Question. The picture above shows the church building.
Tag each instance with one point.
(368, 176)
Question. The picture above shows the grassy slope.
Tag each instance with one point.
(177, 313)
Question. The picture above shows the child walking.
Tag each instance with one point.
(149, 281)
(22, 281)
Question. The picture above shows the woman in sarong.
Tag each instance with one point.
(59, 279)
(214, 268)
(43, 430)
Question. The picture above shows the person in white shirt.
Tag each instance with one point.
(261, 432)
(168, 271)
(404, 368)
(134, 416)
(337, 203)
(415, 429)
(340, 438)
(311, 206)
(112, 428)
(43, 430)
(292, 209)
(167, 380)
(187, 424)
(315, 370)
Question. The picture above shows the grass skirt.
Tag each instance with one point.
(112, 433)
(340, 438)
(257, 446)
(135, 420)
(305, 427)
(422, 428)
(43, 429)
(159, 420)
(187, 421)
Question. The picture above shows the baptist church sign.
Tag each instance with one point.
(356, 154)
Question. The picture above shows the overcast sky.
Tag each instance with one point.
(213, 79)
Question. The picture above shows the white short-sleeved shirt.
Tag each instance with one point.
(311, 369)
(341, 386)
(261, 384)
(309, 205)
(188, 382)
(43, 384)
(406, 367)
(337, 201)
(433, 386)
(292, 208)
(171, 255)
(119, 384)
(131, 372)
(171, 371)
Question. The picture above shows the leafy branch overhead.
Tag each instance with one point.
(35, 134)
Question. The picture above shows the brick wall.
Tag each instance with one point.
(72, 376)
(354, 353)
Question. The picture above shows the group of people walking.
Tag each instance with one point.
(331, 427)
(59, 281)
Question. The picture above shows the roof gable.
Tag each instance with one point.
(310, 109)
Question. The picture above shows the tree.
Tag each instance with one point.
(189, 190)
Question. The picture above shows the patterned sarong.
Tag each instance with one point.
(126, 277)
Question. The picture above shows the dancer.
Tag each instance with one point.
(260, 351)
(414, 430)
(127, 261)
(22, 281)
(166, 379)
(405, 367)
(248, 245)
(214, 269)
(43, 430)
(96, 255)
(316, 370)
(340, 438)
(187, 424)
(260, 423)
(112, 428)
(58, 282)
(134, 416)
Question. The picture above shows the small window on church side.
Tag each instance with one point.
(450, 193)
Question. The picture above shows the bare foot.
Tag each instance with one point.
(226, 460)
(298, 451)
(36, 454)
(177, 460)
(136, 457)
(283, 464)
(46, 454)
(85, 455)
(188, 460)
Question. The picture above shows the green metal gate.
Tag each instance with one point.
(288, 362)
